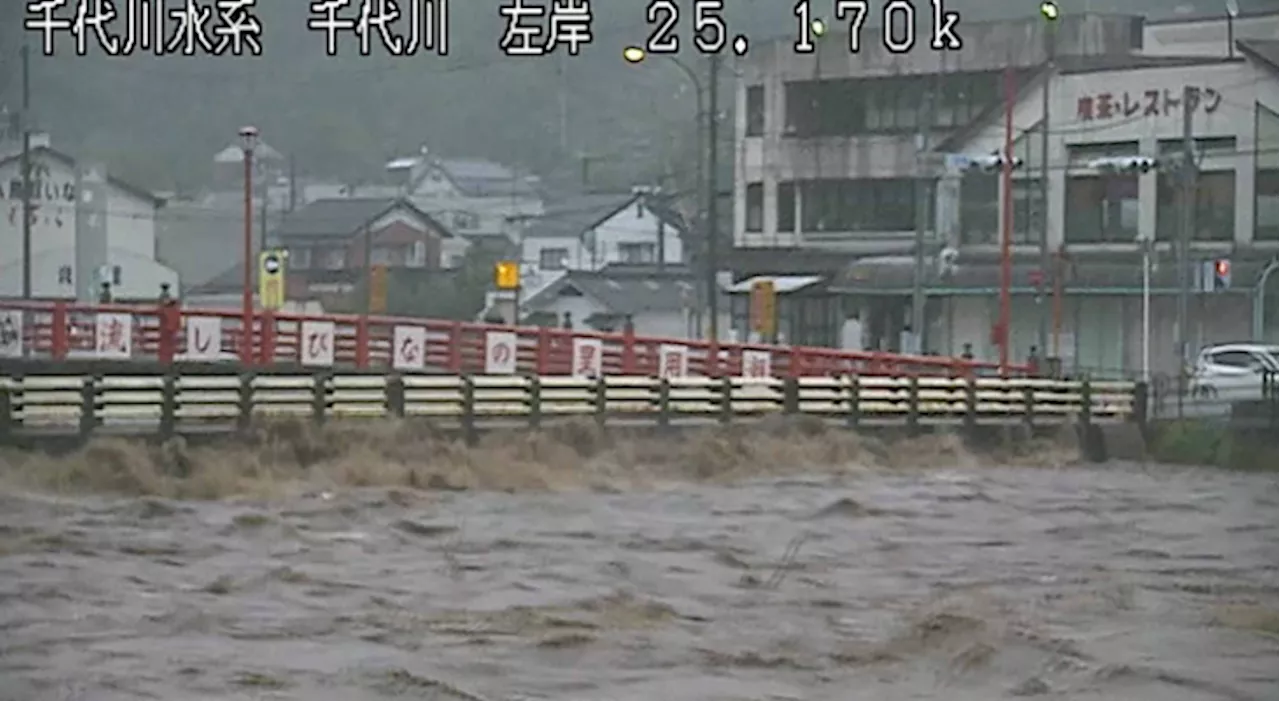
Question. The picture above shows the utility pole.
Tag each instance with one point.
(924, 170)
(713, 191)
(1047, 267)
(1187, 228)
(562, 90)
(368, 269)
(26, 170)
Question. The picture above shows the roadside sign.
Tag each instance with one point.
(673, 360)
(506, 275)
(764, 308)
(410, 348)
(757, 364)
(204, 338)
(271, 288)
(317, 339)
(500, 353)
(11, 333)
(378, 289)
(588, 357)
(113, 335)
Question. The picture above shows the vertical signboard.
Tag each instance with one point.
(410, 348)
(500, 353)
(316, 342)
(113, 335)
(757, 364)
(588, 357)
(204, 338)
(673, 360)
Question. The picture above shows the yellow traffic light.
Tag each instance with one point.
(271, 287)
(506, 275)
(764, 308)
(378, 289)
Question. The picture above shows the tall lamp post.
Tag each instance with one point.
(248, 143)
(1048, 11)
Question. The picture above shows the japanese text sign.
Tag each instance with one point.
(410, 348)
(1103, 106)
(500, 353)
(588, 357)
(673, 360)
(204, 337)
(317, 340)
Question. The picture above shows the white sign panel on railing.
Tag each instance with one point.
(500, 353)
(113, 335)
(316, 343)
(11, 333)
(410, 349)
(204, 338)
(588, 357)
(757, 364)
(673, 360)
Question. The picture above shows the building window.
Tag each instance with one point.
(786, 208)
(1267, 222)
(637, 253)
(755, 110)
(335, 259)
(1028, 210)
(755, 207)
(870, 205)
(299, 258)
(1214, 218)
(553, 258)
(1102, 209)
(979, 208)
(417, 257)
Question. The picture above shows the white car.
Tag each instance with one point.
(1236, 372)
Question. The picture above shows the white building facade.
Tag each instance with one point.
(594, 231)
(87, 228)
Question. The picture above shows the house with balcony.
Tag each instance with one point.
(477, 199)
(326, 240)
(588, 232)
(853, 156)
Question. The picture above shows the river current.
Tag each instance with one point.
(1117, 581)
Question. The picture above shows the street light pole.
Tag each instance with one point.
(713, 191)
(248, 142)
(1049, 11)
(26, 170)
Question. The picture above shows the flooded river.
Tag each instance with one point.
(969, 583)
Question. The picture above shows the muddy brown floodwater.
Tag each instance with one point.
(972, 583)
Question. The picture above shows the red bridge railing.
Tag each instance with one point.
(159, 333)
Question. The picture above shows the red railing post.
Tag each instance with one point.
(713, 358)
(267, 342)
(542, 355)
(58, 340)
(246, 339)
(628, 350)
(454, 340)
(797, 362)
(362, 342)
(167, 345)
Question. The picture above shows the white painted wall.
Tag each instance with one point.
(1241, 86)
(666, 324)
(603, 245)
(53, 232)
(437, 196)
(1204, 37)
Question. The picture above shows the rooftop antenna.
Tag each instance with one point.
(1233, 11)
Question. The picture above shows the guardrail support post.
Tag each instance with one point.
(854, 417)
(1086, 406)
(320, 396)
(791, 395)
(726, 400)
(970, 404)
(913, 405)
(88, 405)
(602, 400)
(395, 395)
(664, 403)
(1029, 401)
(1141, 399)
(168, 403)
(535, 402)
(6, 414)
(469, 435)
(245, 417)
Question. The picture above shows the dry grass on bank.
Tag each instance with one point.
(281, 456)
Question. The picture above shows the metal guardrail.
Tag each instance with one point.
(165, 404)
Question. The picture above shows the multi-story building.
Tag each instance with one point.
(856, 154)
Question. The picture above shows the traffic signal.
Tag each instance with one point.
(1221, 274)
(271, 279)
(1049, 10)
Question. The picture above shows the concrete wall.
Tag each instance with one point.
(668, 324)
